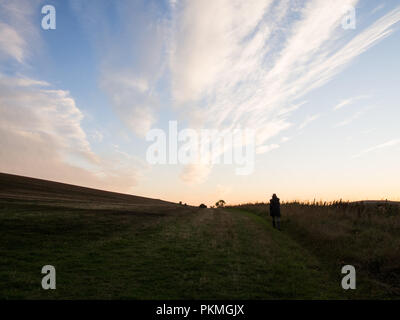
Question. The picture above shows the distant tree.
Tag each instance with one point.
(180, 202)
(220, 203)
(202, 206)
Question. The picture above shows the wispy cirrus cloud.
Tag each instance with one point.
(390, 143)
(349, 101)
(131, 61)
(349, 119)
(266, 148)
(259, 57)
(11, 43)
(378, 8)
(308, 120)
(131, 100)
(354, 116)
(16, 27)
(226, 63)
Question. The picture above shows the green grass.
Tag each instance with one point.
(179, 253)
(365, 236)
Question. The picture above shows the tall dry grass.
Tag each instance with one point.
(364, 234)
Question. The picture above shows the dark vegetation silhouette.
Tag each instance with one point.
(220, 203)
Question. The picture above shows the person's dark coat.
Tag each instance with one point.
(274, 207)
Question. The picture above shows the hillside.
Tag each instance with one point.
(114, 246)
(44, 192)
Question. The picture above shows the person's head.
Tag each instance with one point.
(274, 196)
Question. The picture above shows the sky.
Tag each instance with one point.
(314, 84)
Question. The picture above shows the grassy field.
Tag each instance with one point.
(363, 234)
(112, 246)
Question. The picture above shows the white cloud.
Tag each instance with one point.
(342, 104)
(131, 61)
(245, 66)
(131, 100)
(354, 116)
(16, 26)
(249, 67)
(11, 43)
(42, 137)
(308, 120)
(348, 101)
(195, 173)
(204, 48)
(28, 110)
(378, 8)
(39, 121)
(40, 126)
(350, 119)
(267, 148)
(387, 144)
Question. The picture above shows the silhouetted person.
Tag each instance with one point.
(275, 211)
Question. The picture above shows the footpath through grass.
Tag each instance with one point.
(187, 253)
(364, 236)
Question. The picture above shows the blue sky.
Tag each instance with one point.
(77, 102)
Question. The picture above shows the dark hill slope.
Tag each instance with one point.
(18, 188)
